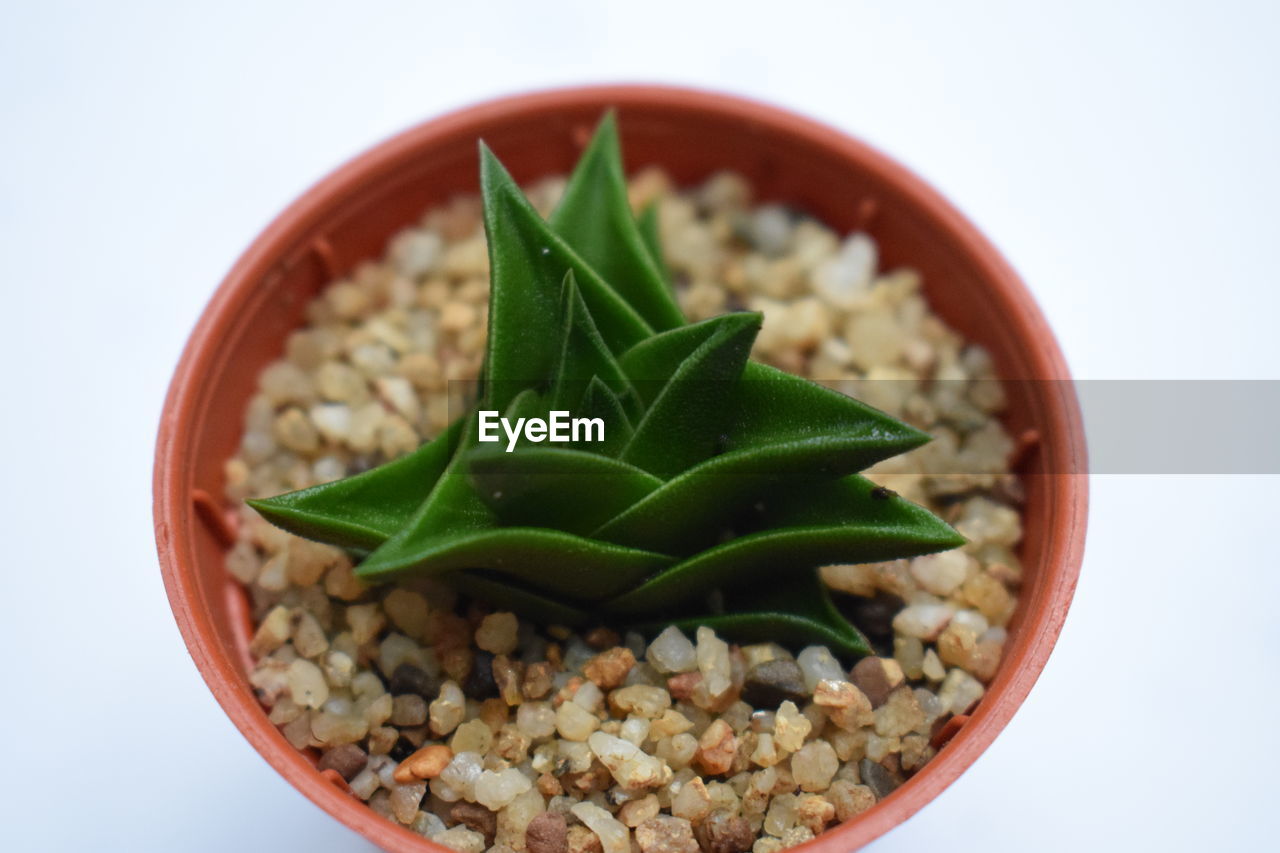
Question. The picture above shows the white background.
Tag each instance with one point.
(1123, 155)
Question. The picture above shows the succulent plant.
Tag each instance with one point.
(720, 485)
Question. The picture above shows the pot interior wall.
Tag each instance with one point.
(354, 224)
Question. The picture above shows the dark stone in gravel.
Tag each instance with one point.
(877, 778)
(403, 749)
(348, 759)
(547, 833)
(476, 818)
(722, 832)
(410, 679)
(770, 684)
(876, 679)
(602, 638)
(479, 684)
(875, 616)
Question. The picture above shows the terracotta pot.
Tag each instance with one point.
(349, 216)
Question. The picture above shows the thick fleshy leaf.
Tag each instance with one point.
(649, 230)
(769, 405)
(594, 217)
(507, 594)
(453, 529)
(651, 363)
(693, 508)
(584, 356)
(570, 567)
(686, 421)
(569, 490)
(797, 610)
(600, 402)
(841, 521)
(527, 265)
(362, 511)
(763, 444)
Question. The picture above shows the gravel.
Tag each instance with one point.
(482, 732)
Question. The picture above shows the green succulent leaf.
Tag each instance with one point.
(595, 216)
(508, 594)
(798, 611)
(527, 265)
(362, 511)
(817, 524)
(715, 474)
(599, 401)
(685, 421)
(570, 490)
(570, 567)
(584, 357)
(651, 232)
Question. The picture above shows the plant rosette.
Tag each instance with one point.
(635, 506)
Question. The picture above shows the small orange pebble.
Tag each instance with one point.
(426, 763)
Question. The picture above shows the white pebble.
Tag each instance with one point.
(713, 662)
(630, 766)
(415, 253)
(959, 691)
(307, 686)
(671, 651)
(818, 664)
(495, 790)
(614, 836)
(844, 279)
(461, 839)
(924, 621)
(941, 573)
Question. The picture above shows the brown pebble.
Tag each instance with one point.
(495, 713)
(549, 786)
(476, 818)
(723, 832)
(876, 777)
(602, 638)
(682, 686)
(348, 759)
(416, 735)
(507, 675)
(537, 680)
(877, 678)
(597, 778)
(583, 840)
(426, 763)
(717, 748)
(666, 834)
(456, 662)
(609, 668)
(547, 833)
